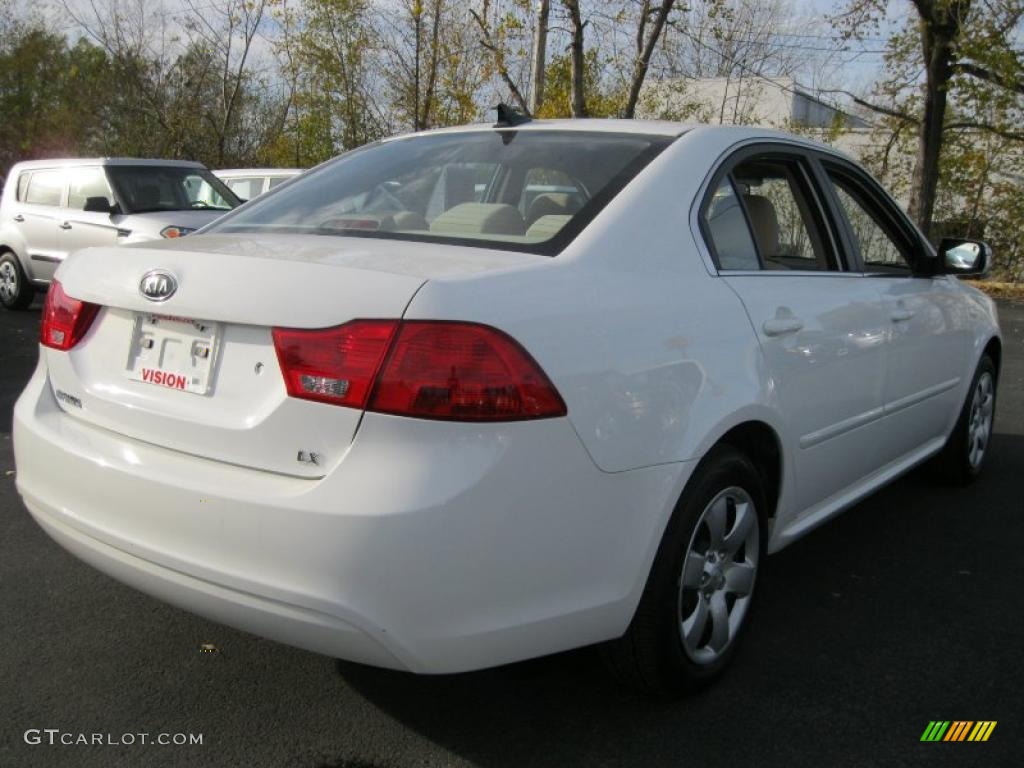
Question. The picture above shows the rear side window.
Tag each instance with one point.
(45, 188)
(764, 215)
(246, 187)
(728, 232)
(526, 190)
(275, 180)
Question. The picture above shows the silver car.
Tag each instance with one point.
(51, 208)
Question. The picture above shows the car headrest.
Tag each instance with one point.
(547, 227)
(765, 222)
(551, 204)
(479, 218)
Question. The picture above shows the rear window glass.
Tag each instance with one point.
(515, 190)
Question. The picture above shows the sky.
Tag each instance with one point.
(852, 70)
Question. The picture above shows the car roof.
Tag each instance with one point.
(75, 162)
(592, 125)
(668, 128)
(258, 171)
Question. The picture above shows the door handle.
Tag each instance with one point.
(901, 315)
(779, 326)
(19, 218)
(65, 225)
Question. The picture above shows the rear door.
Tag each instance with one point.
(80, 228)
(821, 326)
(37, 217)
(928, 340)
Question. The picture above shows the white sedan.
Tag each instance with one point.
(481, 394)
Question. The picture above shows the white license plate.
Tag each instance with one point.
(173, 352)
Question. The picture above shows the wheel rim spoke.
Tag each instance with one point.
(741, 528)
(715, 519)
(693, 569)
(693, 626)
(719, 614)
(739, 579)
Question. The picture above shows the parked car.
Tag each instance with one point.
(50, 208)
(248, 183)
(384, 416)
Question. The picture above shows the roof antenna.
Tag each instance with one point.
(508, 116)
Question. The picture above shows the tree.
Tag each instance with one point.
(578, 102)
(647, 36)
(494, 39)
(957, 41)
(539, 58)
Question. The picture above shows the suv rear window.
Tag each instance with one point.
(527, 190)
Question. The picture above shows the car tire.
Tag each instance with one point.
(962, 459)
(700, 591)
(16, 292)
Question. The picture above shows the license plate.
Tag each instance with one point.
(173, 352)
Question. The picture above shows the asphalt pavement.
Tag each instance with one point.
(906, 609)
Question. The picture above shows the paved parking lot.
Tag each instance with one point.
(905, 610)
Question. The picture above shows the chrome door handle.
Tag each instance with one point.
(65, 225)
(901, 315)
(778, 326)
(19, 218)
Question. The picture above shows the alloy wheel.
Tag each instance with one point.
(718, 573)
(979, 428)
(8, 282)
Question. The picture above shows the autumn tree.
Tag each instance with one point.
(964, 48)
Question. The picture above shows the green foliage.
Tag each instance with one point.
(981, 165)
(602, 101)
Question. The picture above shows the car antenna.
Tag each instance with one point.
(508, 116)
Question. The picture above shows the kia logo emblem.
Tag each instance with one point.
(158, 285)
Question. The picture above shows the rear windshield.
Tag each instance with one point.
(515, 190)
(149, 188)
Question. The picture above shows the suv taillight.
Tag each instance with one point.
(65, 320)
(424, 368)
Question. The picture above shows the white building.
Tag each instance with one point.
(777, 102)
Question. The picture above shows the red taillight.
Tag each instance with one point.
(333, 365)
(433, 370)
(65, 320)
(462, 371)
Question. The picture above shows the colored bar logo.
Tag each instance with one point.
(958, 730)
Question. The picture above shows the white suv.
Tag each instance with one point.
(248, 183)
(51, 208)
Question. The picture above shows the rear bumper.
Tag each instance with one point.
(430, 547)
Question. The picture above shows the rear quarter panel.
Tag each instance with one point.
(654, 356)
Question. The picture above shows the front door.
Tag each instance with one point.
(79, 228)
(928, 339)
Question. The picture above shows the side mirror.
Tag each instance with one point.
(99, 205)
(966, 258)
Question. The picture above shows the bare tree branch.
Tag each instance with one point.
(499, 61)
(981, 73)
